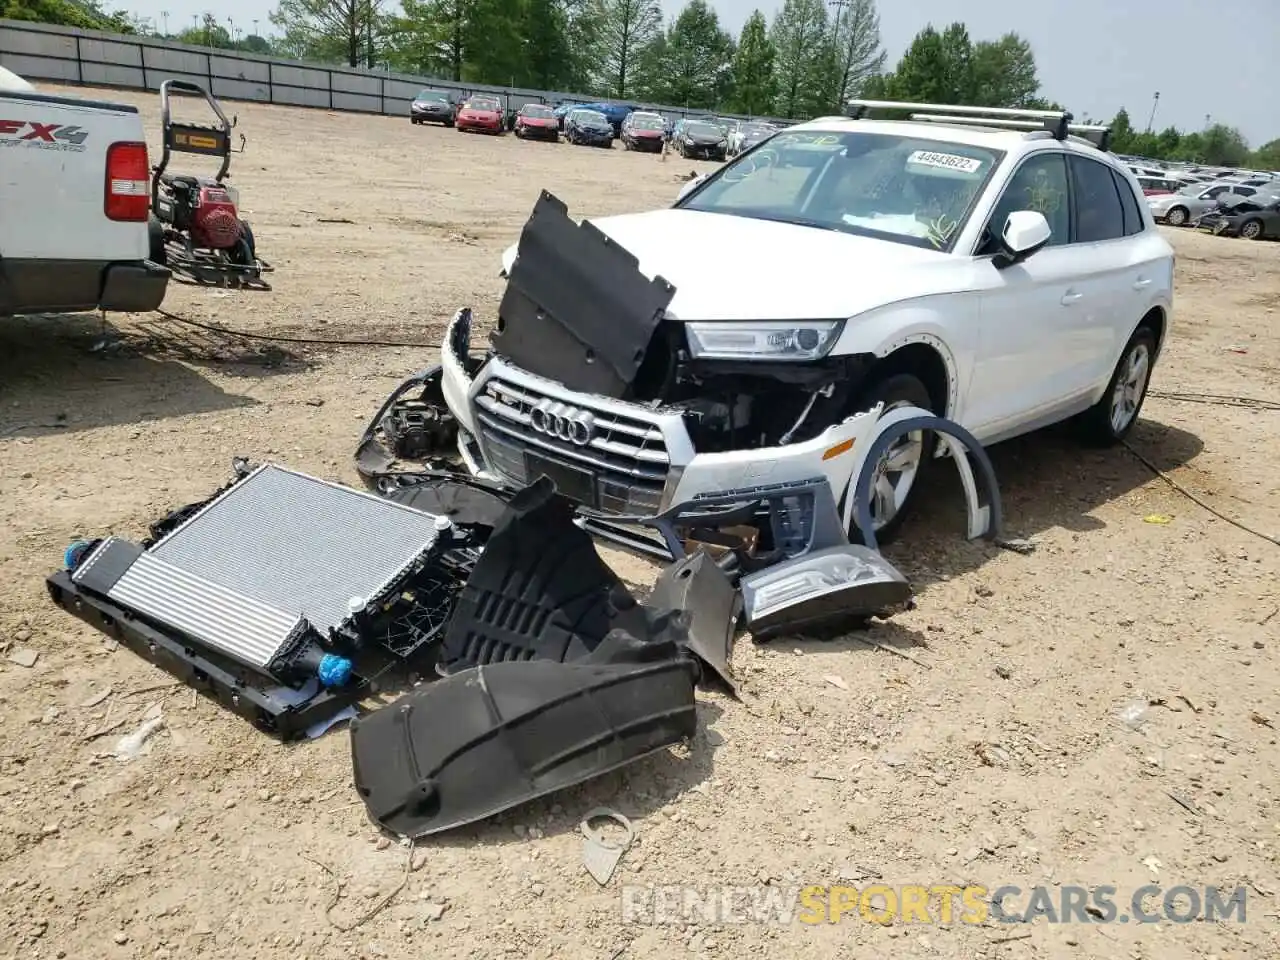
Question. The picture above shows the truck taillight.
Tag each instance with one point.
(128, 187)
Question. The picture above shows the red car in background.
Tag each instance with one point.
(483, 114)
(1155, 186)
(644, 131)
(536, 121)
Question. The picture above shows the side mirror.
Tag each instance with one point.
(1025, 232)
(688, 187)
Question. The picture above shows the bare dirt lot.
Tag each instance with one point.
(1001, 757)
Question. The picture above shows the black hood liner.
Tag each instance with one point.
(577, 309)
(540, 591)
(487, 739)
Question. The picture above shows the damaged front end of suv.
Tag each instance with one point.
(629, 412)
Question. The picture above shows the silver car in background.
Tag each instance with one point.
(1193, 201)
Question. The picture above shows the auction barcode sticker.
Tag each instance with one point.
(945, 161)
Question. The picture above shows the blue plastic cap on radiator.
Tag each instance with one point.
(334, 671)
(72, 556)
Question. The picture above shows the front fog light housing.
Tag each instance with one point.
(773, 340)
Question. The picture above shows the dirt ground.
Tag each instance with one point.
(1001, 754)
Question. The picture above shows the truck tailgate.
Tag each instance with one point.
(53, 153)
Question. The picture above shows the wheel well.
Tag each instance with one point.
(923, 362)
(1155, 319)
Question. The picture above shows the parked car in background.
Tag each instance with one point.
(433, 106)
(482, 114)
(700, 139)
(644, 131)
(1179, 209)
(1154, 186)
(1253, 218)
(615, 113)
(747, 134)
(536, 121)
(589, 127)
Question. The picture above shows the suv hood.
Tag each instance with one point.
(731, 268)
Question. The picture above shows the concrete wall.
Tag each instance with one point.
(39, 51)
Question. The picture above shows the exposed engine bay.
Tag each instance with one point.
(577, 310)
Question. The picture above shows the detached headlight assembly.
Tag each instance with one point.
(765, 340)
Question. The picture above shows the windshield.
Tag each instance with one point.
(483, 103)
(538, 112)
(703, 130)
(591, 116)
(914, 191)
(647, 123)
(755, 129)
(433, 95)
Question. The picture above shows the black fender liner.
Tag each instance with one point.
(489, 738)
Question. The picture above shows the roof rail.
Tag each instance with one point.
(1099, 136)
(1055, 121)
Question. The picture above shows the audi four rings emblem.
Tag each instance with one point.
(563, 421)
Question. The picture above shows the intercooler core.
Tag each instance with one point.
(276, 553)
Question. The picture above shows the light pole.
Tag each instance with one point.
(1155, 102)
(839, 6)
(164, 17)
(255, 28)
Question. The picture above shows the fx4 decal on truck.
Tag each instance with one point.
(43, 136)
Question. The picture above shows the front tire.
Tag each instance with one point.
(1112, 418)
(896, 478)
(1177, 216)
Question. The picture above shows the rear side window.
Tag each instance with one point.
(1099, 215)
(1133, 222)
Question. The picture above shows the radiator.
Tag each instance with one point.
(252, 569)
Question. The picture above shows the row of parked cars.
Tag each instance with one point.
(595, 124)
(1241, 204)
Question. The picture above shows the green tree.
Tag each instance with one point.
(623, 29)
(254, 43)
(754, 85)
(209, 33)
(353, 32)
(493, 43)
(798, 35)
(85, 14)
(1267, 156)
(858, 54)
(1004, 73)
(547, 55)
(691, 65)
(432, 36)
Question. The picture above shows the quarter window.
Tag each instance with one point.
(1040, 184)
(1099, 215)
(1133, 222)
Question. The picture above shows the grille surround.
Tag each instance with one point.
(630, 454)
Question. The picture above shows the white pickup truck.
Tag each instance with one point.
(75, 196)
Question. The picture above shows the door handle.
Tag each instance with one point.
(1141, 284)
(1070, 297)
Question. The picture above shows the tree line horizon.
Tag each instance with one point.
(811, 59)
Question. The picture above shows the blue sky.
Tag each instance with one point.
(1094, 55)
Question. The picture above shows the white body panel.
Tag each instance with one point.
(52, 191)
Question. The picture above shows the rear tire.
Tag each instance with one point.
(1251, 230)
(1112, 418)
(155, 241)
(896, 488)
